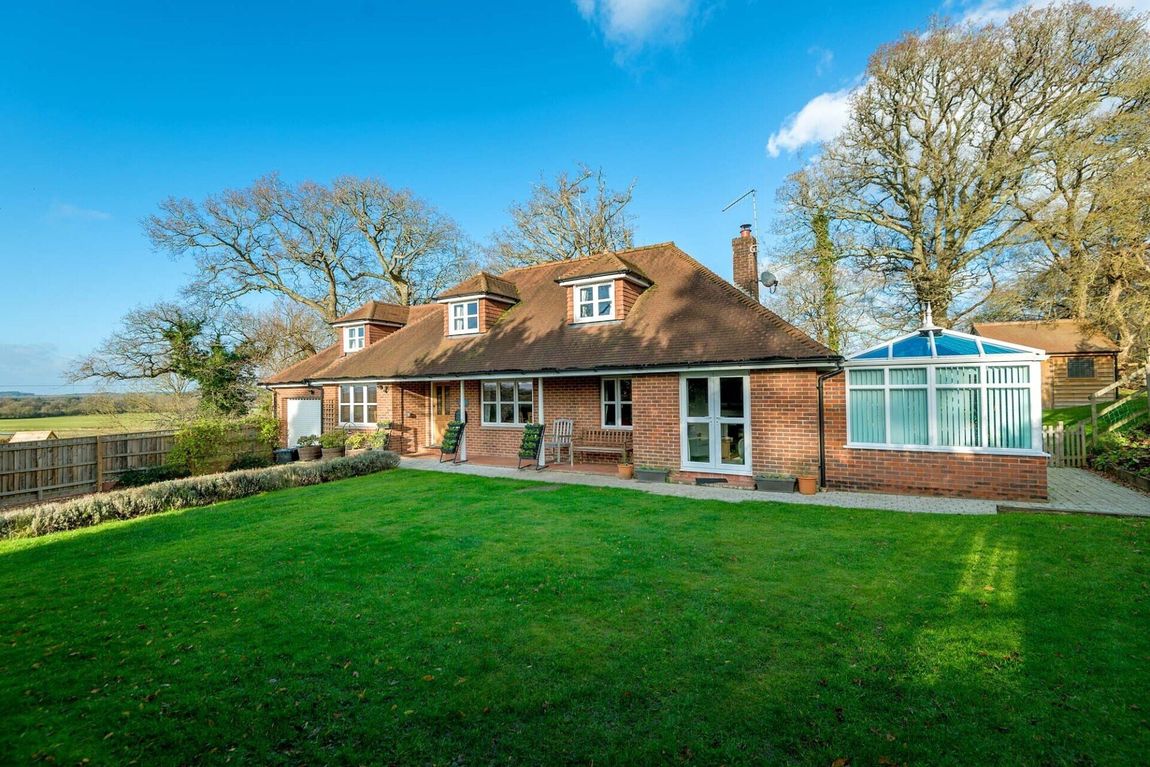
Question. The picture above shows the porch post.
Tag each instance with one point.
(542, 420)
(462, 417)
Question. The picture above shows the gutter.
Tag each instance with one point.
(823, 424)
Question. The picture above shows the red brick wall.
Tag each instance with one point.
(410, 413)
(279, 407)
(918, 472)
(784, 424)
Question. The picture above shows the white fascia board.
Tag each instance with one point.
(604, 278)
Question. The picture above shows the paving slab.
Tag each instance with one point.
(906, 503)
(1078, 491)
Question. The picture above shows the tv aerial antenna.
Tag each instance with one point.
(753, 194)
(767, 278)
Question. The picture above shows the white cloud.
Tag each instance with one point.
(631, 25)
(824, 59)
(61, 211)
(821, 119)
(996, 11)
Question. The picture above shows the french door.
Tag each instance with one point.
(715, 411)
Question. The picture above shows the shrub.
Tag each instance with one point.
(336, 438)
(307, 440)
(184, 493)
(251, 461)
(1129, 451)
(380, 439)
(151, 475)
(358, 440)
(213, 444)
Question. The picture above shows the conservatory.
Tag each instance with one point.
(945, 391)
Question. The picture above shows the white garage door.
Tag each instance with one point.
(303, 417)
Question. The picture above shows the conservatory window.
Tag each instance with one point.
(944, 406)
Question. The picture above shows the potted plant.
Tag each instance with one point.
(357, 444)
(808, 480)
(775, 483)
(626, 468)
(333, 442)
(381, 439)
(650, 474)
(309, 449)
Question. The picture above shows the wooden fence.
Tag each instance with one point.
(1065, 444)
(56, 468)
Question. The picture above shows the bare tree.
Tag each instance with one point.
(326, 248)
(577, 215)
(944, 140)
(404, 243)
(283, 334)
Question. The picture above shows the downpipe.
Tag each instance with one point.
(823, 377)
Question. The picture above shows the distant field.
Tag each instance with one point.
(83, 425)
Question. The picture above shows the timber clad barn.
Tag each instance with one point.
(692, 372)
(1080, 363)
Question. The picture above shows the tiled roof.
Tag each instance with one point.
(604, 263)
(483, 283)
(1053, 337)
(377, 311)
(689, 316)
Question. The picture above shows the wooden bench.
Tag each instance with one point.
(604, 441)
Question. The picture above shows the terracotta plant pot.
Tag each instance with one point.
(626, 470)
(310, 453)
(808, 485)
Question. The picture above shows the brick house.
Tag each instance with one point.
(707, 382)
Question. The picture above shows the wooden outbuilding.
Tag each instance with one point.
(1081, 362)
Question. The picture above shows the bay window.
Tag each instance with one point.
(357, 405)
(507, 403)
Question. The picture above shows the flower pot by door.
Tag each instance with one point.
(626, 471)
(808, 485)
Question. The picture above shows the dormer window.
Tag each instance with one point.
(464, 317)
(354, 338)
(595, 302)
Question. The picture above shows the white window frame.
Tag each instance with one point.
(498, 402)
(716, 421)
(358, 405)
(578, 301)
(458, 311)
(933, 387)
(354, 338)
(617, 401)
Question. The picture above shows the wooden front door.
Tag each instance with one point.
(440, 410)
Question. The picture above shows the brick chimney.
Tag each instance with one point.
(745, 251)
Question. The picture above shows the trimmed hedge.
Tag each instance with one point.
(185, 493)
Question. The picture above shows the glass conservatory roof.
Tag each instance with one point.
(933, 343)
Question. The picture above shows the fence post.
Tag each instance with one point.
(99, 464)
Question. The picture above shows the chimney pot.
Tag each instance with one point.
(745, 230)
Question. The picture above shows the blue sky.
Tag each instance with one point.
(103, 113)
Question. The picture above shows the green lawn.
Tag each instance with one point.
(421, 618)
(83, 425)
(1075, 413)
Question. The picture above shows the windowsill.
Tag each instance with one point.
(363, 426)
(733, 471)
(617, 428)
(485, 425)
(1018, 452)
(597, 321)
(464, 333)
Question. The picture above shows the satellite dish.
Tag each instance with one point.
(769, 280)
